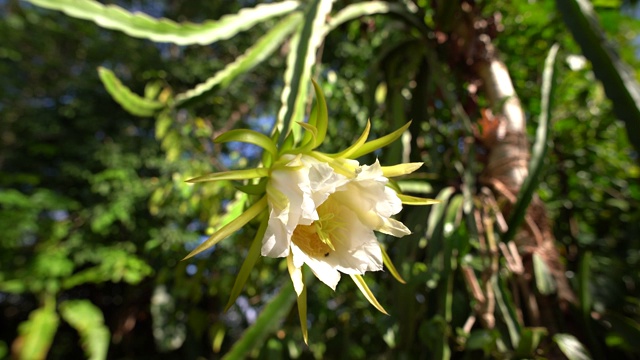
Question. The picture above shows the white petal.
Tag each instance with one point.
(325, 272)
(299, 256)
(393, 227)
(296, 276)
(276, 240)
(357, 248)
(323, 182)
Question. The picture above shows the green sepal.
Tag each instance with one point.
(231, 227)
(248, 264)
(364, 289)
(353, 148)
(275, 135)
(394, 185)
(414, 200)
(267, 159)
(392, 269)
(251, 137)
(297, 278)
(322, 118)
(130, 101)
(302, 313)
(307, 138)
(231, 175)
(253, 189)
(400, 169)
(310, 129)
(378, 143)
(288, 143)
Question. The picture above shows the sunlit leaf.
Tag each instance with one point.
(251, 137)
(88, 320)
(322, 117)
(379, 143)
(301, 290)
(571, 347)
(262, 49)
(36, 334)
(130, 101)
(231, 175)
(269, 320)
(231, 227)
(618, 79)
(346, 153)
(311, 130)
(530, 339)
(436, 215)
(413, 200)
(366, 8)
(164, 30)
(247, 265)
(364, 289)
(400, 169)
(300, 60)
(545, 282)
(389, 264)
(539, 150)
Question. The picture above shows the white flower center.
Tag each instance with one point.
(319, 238)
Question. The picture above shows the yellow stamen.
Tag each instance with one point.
(318, 239)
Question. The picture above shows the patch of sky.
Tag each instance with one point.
(44, 102)
(191, 269)
(250, 313)
(190, 246)
(195, 227)
(240, 153)
(58, 215)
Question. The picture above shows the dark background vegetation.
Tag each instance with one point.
(95, 213)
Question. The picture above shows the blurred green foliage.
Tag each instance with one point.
(95, 213)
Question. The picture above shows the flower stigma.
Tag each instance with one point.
(318, 238)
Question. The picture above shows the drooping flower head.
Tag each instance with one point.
(318, 209)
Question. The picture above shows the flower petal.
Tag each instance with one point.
(296, 275)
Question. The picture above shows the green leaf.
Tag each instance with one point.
(364, 289)
(88, 320)
(164, 30)
(251, 137)
(414, 200)
(436, 215)
(253, 189)
(529, 341)
(346, 153)
(545, 282)
(389, 264)
(130, 101)
(506, 310)
(261, 50)
(297, 278)
(288, 144)
(571, 347)
(302, 56)
(268, 321)
(367, 8)
(247, 265)
(36, 333)
(378, 143)
(322, 115)
(617, 78)
(302, 314)
(231, 175)
(231, 227)
(540, 147)
(311, 131)
(400, 169)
